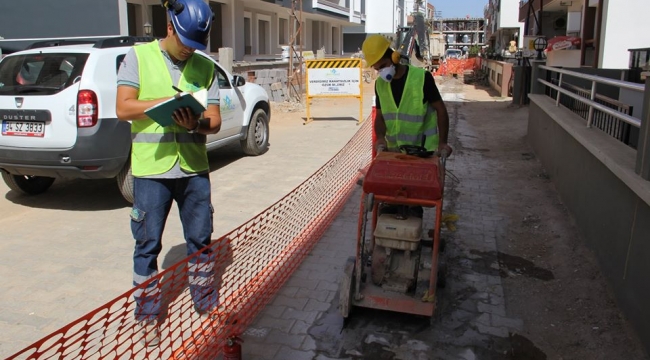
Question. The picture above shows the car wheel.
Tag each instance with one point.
(257, 140)
(28, 185)
(125, 182)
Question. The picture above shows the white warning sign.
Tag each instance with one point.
(334, 82)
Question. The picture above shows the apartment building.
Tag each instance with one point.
(607, 28)
(463, 33)
(387, 16)
(503, 25)
(255, 29)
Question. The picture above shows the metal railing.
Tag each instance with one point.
(592, 101)
(605, 122)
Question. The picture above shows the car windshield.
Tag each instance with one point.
(453, 53)
(39, 74)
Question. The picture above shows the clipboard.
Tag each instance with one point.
(162, 113)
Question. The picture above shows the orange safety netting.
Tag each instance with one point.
(455, 66)
(251, 262)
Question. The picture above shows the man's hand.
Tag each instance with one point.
(380, 145)
(185, 118)
(444, 149)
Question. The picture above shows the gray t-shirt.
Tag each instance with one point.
(129, 75)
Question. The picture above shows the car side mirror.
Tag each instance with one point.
(238, 81)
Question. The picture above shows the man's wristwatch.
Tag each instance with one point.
(196, 128)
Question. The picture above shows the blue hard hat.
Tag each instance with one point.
(192, 20)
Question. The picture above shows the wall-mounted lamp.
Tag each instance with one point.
(540, 44)
(147, 29)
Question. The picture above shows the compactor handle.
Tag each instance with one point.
(443, 155)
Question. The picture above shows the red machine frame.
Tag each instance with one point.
(355, 292)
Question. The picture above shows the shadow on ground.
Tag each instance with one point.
(102, 194)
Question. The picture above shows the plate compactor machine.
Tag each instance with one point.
(395, 268)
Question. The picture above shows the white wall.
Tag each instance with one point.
(509, 15)
(563, 58)
(379, 17)
(625, 26)
(355, 7)
(508, 18)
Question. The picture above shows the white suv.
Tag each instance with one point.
(57, 114)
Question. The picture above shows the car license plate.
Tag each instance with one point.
(21, 122)
(23, 128)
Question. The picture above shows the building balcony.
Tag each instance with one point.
(548, 5)
(352, 8)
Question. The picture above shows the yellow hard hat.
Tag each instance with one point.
(374, 48)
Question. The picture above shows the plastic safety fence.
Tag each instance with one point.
(247, 266)
(455, 66)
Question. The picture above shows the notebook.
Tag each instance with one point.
(162, 113)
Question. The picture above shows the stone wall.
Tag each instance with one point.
(272, 77)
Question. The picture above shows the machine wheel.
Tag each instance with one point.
(346, 287)
(378, 265)
(257, 140)
(28, 185)
(125, 182)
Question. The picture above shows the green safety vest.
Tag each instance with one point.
(155, 148)
(406, 124)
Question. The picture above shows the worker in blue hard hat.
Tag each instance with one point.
(170, 163)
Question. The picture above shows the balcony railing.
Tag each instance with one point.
(604, 113)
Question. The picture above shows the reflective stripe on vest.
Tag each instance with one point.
(413, 119)
(156, 149)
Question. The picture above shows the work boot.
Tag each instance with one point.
(217, 316)
(150, 333)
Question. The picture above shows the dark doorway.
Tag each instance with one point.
(216, 32)
(159, 19)
(130, 11)
(263, 31)
(248, 49)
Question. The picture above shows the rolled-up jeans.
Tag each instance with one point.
(152, 202)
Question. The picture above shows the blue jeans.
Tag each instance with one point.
(152, 202)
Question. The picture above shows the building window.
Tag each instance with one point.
(159, 21)
(283, 31)
(263, 36)
(247, 36)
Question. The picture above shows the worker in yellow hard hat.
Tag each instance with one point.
(409, 108)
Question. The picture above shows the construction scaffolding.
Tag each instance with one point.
(295, 76)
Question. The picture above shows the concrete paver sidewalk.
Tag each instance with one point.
(479, 314)
(303, 321)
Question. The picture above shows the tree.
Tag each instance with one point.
(473, 51)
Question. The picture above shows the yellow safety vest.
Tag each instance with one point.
(406, 124)
(155, 148)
